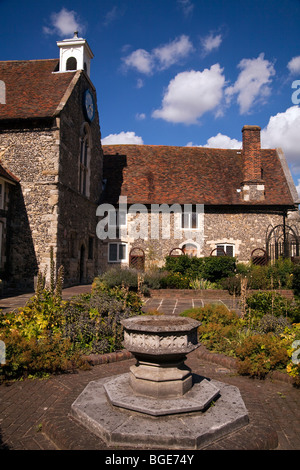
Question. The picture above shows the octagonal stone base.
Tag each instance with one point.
(187, 430)
(157, 381)
(120, 394)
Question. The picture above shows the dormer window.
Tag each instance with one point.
(71, 63)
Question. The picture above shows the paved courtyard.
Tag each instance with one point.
(178, 305)
(35, 414)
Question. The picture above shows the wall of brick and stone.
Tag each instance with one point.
(47, 206)
(76, 212)
(31, 154)
(245, 229)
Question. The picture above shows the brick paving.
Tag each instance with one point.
(34, 413)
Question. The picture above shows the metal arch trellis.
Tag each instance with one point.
(282, 241)
(173, 252)
(220, 252)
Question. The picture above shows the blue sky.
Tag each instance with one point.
(177, 72)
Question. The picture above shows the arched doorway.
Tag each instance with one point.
(190, 249)
(137, 259)
(82, 264)
(259, 257)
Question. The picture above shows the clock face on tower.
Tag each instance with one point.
(88, 105)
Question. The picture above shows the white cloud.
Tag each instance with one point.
(159, 58)
(172, 52)
(111, 15)
(141, 60)
(191, 94)
(283, 131)
(253, 82)
(294, 65)
(140, 116)
(122, 138)
(64, 23)
(298, 187)
(211, 42)
(186, 6)
(220, 141)
(139, 83)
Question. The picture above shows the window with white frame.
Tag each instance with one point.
(189, 220)
(117, 252)
(225, 249)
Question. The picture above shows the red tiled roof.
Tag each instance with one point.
(186, 175)
(32, 89)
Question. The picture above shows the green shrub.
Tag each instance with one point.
(199, 284)
(129, 298)
(272, 303)
(48, 354)
(92, 323)
(190, 266)
(211, 268)
(117, 277)
(153, 279)
(281, 273)
(175, 281)
(216, 268)
(259, 354)
(296, 280)
(258, 278)
(232, 284)
(271, 324)
(212, 313)
(218, 326)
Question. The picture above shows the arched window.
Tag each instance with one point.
(71, 64)
(84, 163)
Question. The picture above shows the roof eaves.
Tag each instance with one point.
(288, 176)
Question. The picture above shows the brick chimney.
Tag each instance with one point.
(253, 187)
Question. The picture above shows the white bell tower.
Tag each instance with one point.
(75, 54)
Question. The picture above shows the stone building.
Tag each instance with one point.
(58, 190)
(240, 203)
(50, 141)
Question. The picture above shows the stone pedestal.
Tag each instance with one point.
(160, 381)
(160, 402)
(160, 345)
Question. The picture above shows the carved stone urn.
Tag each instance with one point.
(160, 345)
